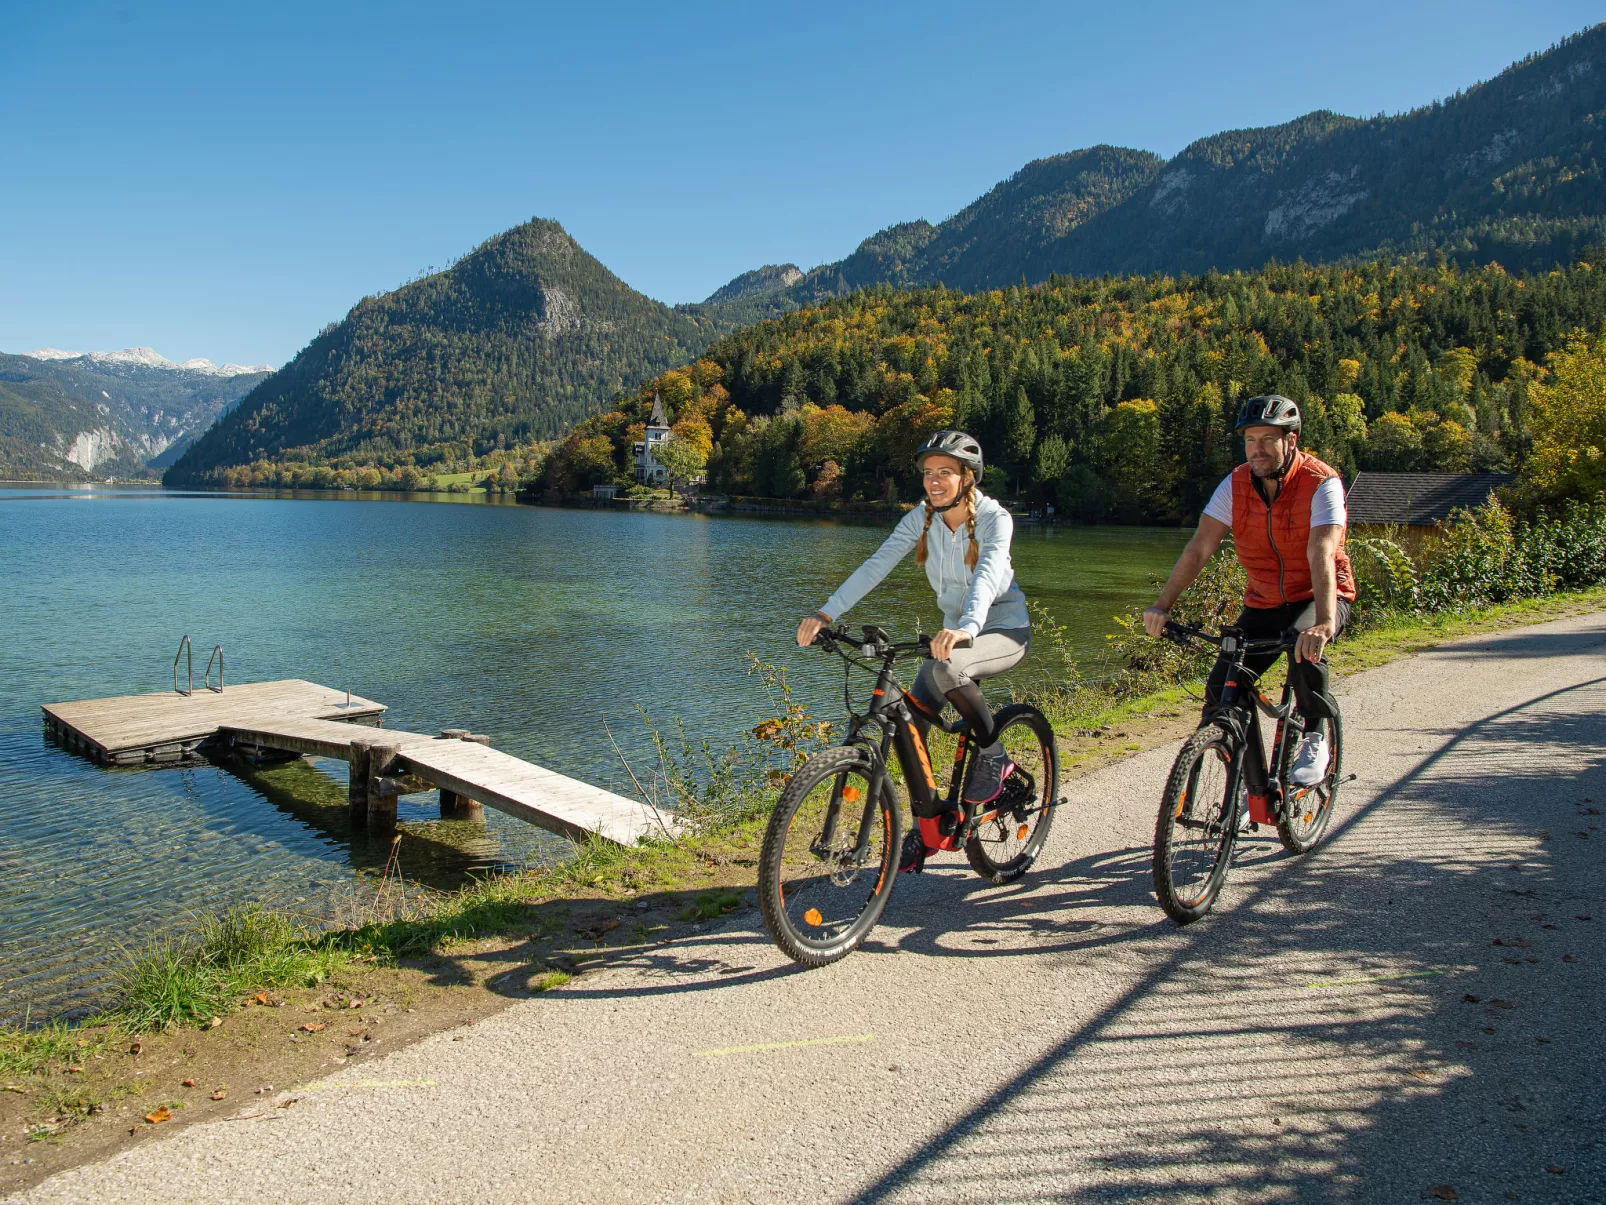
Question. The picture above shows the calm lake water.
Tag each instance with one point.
(527, 623)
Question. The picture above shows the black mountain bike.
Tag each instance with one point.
(831, 852)
(1222, 768)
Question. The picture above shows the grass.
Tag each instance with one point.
(251, 949)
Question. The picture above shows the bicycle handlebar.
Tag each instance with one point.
(876, 643)
(1181, 633)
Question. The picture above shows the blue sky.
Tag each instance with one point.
(223, 179)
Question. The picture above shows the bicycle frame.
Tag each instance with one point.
(1239, 709)
(945, 822)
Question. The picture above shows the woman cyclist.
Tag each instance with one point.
(967, 562)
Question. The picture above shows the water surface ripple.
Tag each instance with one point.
(530, 624)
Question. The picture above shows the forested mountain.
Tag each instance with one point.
(1509, 170)
(518, 341)
(528, 334)
(70, 415)
(1114, 398)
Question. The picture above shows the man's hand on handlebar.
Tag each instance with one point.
(811, 627)
(1312, 641)
(1154, 621)
(945, 641)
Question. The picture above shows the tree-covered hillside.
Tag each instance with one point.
(517, 342)
(1114, 398)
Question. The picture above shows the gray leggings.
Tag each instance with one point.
(988, 654)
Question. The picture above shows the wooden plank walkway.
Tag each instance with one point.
(171, 727)
(298, 717)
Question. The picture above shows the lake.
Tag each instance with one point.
(531, 624)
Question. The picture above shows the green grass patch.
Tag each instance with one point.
(247, 949)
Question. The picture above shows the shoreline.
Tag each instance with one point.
(83, 1091)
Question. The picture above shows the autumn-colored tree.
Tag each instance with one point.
(696, 433)
(1393, 444)
(1447, 448)
(682, 459)
(1567, 415)
(833, 433)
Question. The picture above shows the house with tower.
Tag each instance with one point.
(648, 470)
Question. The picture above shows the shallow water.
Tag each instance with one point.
(531, 624)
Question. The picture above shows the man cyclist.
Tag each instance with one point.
(1285, 509)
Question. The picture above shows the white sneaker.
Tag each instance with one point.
(1310, 767)
(1246, 823)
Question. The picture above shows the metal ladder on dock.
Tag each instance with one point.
(187, 656)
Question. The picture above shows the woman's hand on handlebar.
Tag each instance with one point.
(1154, 621)
(811, 627)
(945, 641)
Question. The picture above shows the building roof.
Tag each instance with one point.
(1417, 499)
(657, 419)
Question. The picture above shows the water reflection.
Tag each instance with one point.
(530, 624)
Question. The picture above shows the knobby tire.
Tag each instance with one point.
(816, 909)
(1307, 811)
(1196, 829)
(997, 851)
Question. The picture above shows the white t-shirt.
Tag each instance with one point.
(1326, 504)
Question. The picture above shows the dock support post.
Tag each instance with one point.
(460, 807)
(357, 787)
(381, 795)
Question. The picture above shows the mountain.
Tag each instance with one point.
(519, 340)
(1510, 170)
(528, 334)
(69, 415)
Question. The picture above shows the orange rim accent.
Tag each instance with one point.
(851, 794)
(1182, 802)
(813, 916)
(886, 828)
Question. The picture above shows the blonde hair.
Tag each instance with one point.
(968, 501)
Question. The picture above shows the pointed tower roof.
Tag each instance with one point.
(657, 419)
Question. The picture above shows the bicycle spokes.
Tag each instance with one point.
(832, 856)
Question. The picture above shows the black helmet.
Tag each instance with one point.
(957, 444)
(1269, 410)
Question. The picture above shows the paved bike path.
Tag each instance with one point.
(1343, 1028)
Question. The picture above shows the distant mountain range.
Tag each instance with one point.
(73, 415)
(529, 334)
(1509, 170)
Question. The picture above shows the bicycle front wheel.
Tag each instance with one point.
(1005, 844)
(830, 858)
(1309, 810)
(1197, 826)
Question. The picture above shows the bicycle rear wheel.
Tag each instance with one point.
(1197, 826)
(820, 891)
(1309, 810)
(1005, 845)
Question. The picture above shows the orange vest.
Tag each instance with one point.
(1272, 541)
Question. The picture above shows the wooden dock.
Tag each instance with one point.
(295, 718)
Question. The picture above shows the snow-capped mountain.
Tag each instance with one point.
(69, 414)
(150, 358)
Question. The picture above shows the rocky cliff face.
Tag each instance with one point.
(69, 414)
